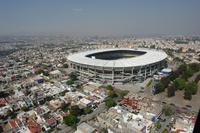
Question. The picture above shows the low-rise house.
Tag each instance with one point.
(119, 120)
(28, 101)
(85, 128)
(50, 121)
(145, 106)
(55, 74)
(33, 126)
(3, 101)
(85, 102)
(5, 109)
(42, 110)
(184, 124)
(74, 97)
(15, 125)
(56, 104)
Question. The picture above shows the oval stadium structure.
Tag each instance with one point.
(119, 65)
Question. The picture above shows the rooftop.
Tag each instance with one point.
(149, 57)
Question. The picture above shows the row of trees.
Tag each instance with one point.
(178, 80)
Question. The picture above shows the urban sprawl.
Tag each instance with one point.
(40, 92)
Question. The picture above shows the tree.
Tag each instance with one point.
(188, 73)
(65, 107)
(65, 65)
(182, 68)
(75, 110)
(87, 110)
(179, 83)
(104, 130)
(73, 76)
(159, 88)
(4, 94)
(49, 98)
(165, 81)
(165, 131)
(111, 92)
(70, 82)
(171, 91)
(194, 66)
(168, 111)
(12, 114)
(109, 87)
(158, 125)
(25, 109)
(110, 103)
(187, 94)
(123, 93)
(192, 87)
(70, 120)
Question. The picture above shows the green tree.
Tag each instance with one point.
(188, 73)
(165, 131)
(87, 110)
(104, 130)
(110, 103)
(70, 82)
(73, 76)
(171, 91)
(187, 94)
(65, 65)
(70, 120)
(158, 125)
(75, 110)
(111, 91)
(123, 93)
(168, 111)
(182, 68)
(49, 98)
(159, 88)
(11, 114)
(192, 86)
(165, 81)
(179, 83)
(109, 87)
(194, 66)
(65, 107)
(25, 109)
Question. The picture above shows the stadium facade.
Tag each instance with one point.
(117, 65)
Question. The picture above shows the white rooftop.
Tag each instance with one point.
(151, 56)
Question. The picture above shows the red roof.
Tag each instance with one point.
(51, 121)
(130, 102)
(194, 119)
(3, 101)
(13, 123)
(33, 126)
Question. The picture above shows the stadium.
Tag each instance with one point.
(118, 65)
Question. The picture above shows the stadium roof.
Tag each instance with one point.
(150, 57)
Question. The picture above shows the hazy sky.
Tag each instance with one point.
(100, 17)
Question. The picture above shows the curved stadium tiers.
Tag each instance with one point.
(118, 65)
